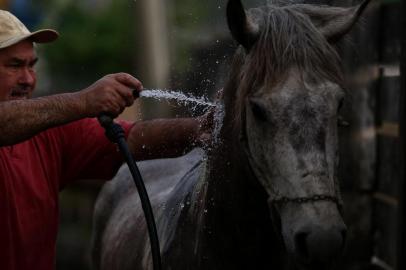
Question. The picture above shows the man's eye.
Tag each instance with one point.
(14, 65)
(33, 64)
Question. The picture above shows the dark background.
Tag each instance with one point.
(184, 45)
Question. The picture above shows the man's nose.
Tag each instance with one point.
(27, 76)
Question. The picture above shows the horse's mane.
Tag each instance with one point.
(287, 39)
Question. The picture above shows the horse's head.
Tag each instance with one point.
(284, 94)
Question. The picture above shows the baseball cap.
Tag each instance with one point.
(12, 31)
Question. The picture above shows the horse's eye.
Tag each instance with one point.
(340, 104)
(341, 122)
(258, 110)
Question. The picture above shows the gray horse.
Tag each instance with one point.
(265, 195)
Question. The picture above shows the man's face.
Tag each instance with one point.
(17, 74)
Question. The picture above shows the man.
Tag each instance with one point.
(46, 143)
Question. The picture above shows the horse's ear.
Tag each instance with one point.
(243, 29)
(335, 22)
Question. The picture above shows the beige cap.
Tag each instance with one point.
(12, 31)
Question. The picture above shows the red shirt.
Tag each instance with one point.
(31, 175)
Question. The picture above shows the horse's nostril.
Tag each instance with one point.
(301, 244)
(319, 246)
(344, 237)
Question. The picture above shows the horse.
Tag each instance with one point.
(265, 195)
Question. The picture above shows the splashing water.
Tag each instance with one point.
(183, 99)
(218, 121)
(178, 96)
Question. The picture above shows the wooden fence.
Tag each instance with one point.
(372, 171)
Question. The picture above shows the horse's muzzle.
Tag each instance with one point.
(318, 246)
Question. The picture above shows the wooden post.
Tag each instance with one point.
(153, 42)
(402, 118)
(153, 51)
(152, 55)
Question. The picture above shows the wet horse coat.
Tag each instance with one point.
(266, 195)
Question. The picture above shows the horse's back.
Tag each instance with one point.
(119, 227)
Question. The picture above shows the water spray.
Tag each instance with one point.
(176, 95)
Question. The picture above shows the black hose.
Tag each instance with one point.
(115, 133)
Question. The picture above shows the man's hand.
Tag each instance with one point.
(203, 137)
(111, 94)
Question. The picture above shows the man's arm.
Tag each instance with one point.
(22, 119)
(164, 138)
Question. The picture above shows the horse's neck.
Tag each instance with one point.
(236, 218)
(232, 188)
(227, 169)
